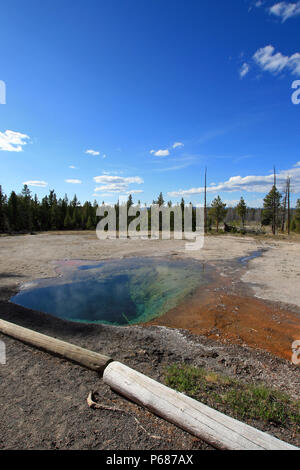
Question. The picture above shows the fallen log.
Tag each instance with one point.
(84, 357)
(213, 427)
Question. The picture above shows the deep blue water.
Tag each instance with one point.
(118, 292)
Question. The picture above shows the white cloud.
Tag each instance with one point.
(285, 10)
(11, 141)
(256, 184)
(73, 181)
(92, 152)
(160, 153)
(268, 60)
(177, 144)
(244, 69)
(117, 184)
(104, 156)
(39, 184)
(118, 179)
(73, 167)
(256, 4)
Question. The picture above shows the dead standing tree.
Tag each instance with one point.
(289, 204)
(284, 210)
(274, 219)
(205, 203)
(286, 207)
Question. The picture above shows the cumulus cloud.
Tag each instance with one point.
(285, 10)
(268, 60)
(252, 183)
(92, 152)
(244, 69)
(177, 144)
(73, 181)
(160, 153)
(11, 141)
(117, 184)
(39, 184)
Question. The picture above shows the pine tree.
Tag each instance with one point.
(75, 218)
(242, 210)
(68, 221)
(160, 200)
(295, 226)
(272, 204)
(35, 209)
(90, 225)
(45, 214)
(25, 209)
(182, 204)
(129, 201)
(3, 217)
(218, 211)
(13, 212)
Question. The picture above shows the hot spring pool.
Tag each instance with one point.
(116, 292)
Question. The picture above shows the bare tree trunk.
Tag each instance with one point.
(274, 206)
(289, 204)
(205, 207)
(284, 208)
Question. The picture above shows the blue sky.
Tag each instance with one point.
(154, 90)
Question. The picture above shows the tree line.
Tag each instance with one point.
(25, 213)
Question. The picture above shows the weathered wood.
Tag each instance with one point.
(84, 357)
(219, 430)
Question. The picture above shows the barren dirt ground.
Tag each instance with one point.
(43, 398)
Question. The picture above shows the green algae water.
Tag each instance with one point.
(117, 292)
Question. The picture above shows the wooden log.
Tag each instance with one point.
(84, 357)
(213, 427)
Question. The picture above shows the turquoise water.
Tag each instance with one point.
(117, 292)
